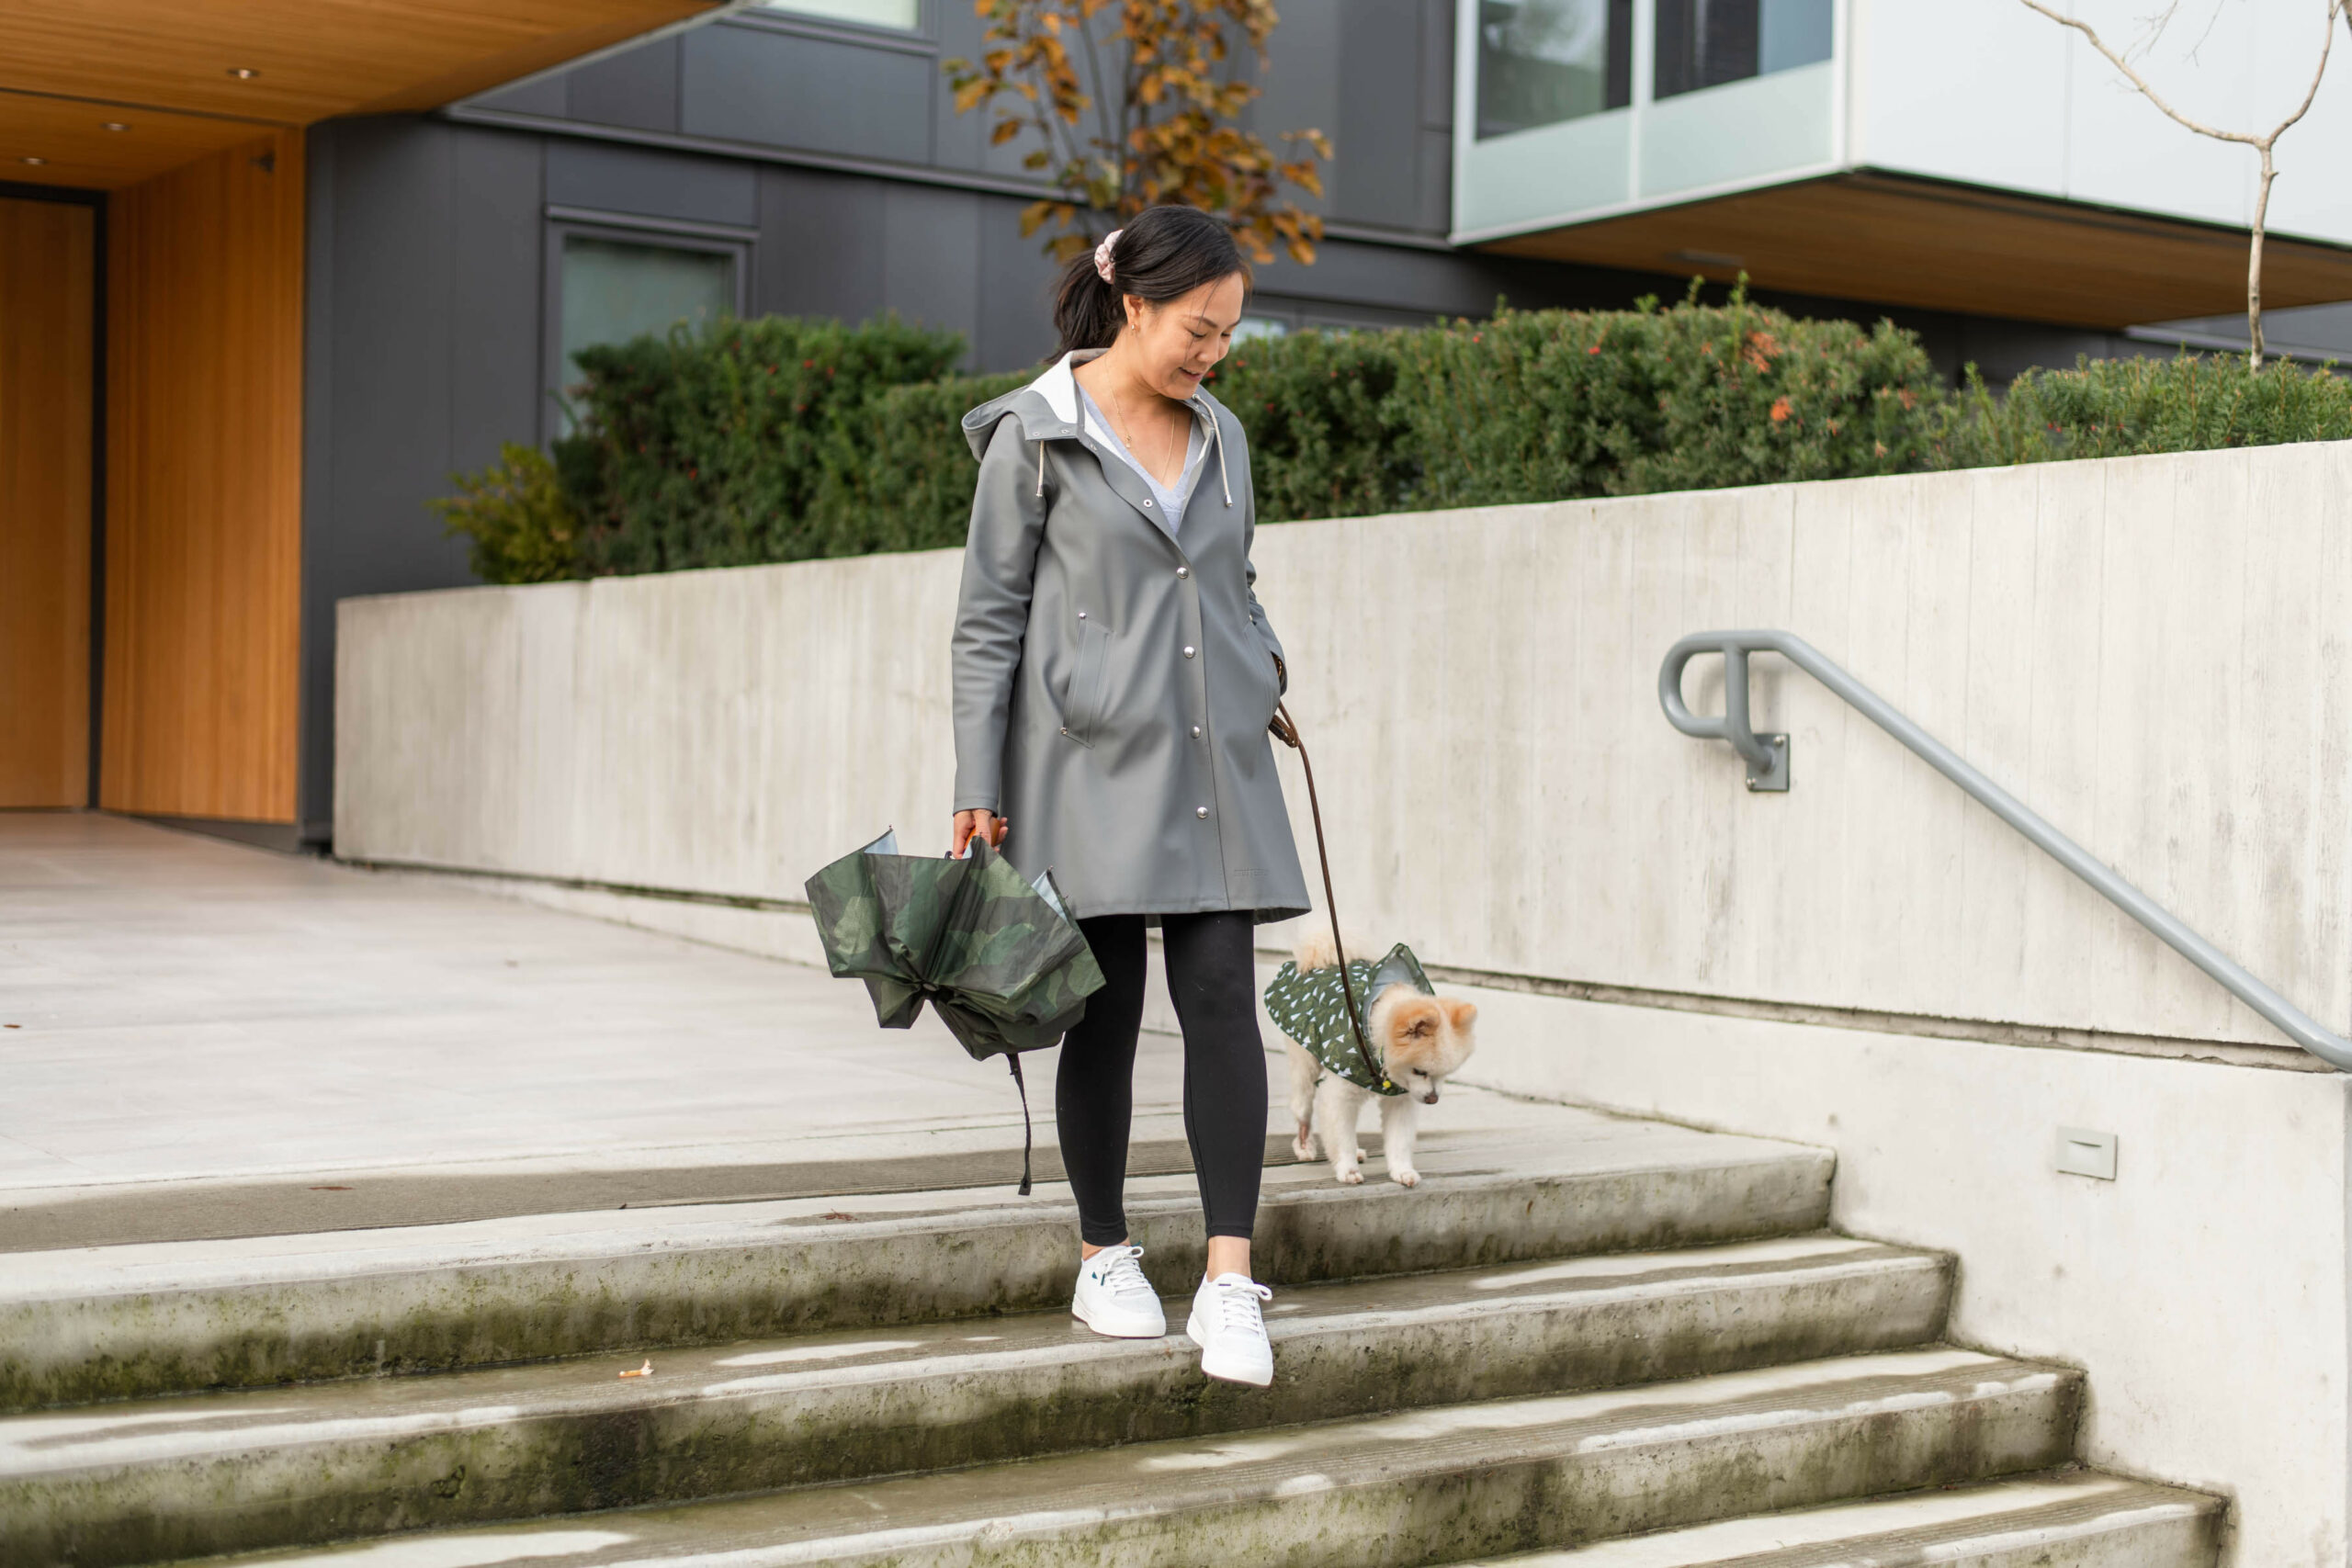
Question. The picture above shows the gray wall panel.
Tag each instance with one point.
(1016, 326)
(420, 350)
(931, 241)
(1437, 64)
(1308, 60)
(821, 245)
(547, 95)
(652, 183)
(1433, 213)
(1376, 176)
(749, 84)
(494, 313)
(637, 87)
(960, 141)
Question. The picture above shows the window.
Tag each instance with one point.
(902, 16)
(610, 289)
(1259, 326)
(1704, 43)
(1542, 61)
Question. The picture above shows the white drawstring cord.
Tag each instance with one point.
(1224, 483)
(1041, 468)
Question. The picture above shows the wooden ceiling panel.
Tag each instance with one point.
(66, 66)
(1899, 242)
(76, 149)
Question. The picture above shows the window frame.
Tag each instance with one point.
(678, 234)
(922, 39)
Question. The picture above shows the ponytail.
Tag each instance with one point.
(1164, 254)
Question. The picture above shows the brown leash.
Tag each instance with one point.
(1285, 729)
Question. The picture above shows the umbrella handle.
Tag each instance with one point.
(1012, 1060)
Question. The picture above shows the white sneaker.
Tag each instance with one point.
(1229, 1327)
(1115, 1299)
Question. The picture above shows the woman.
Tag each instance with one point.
(1114, 679)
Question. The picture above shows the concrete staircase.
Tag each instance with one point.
(1605, 1343)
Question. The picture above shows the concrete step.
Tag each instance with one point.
(107, 1323)
(2074, 1519)
(1426, 1486)
(183, 1477)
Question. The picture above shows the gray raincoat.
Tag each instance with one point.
(1114, 682)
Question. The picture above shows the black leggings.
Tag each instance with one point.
(1213, 980)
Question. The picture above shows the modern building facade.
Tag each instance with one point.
(251, 337)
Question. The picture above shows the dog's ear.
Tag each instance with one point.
(1460, 1014)
(1416, 1020)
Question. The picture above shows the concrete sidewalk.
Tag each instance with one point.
(208, 1040)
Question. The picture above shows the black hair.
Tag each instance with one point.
(1163, 252)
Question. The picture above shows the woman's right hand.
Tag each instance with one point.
(986, 824)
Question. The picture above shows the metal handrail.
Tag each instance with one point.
(1767, 770)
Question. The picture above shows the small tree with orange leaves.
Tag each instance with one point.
(1158, 128)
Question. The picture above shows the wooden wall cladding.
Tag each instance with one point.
(48, 295)
(204, 429)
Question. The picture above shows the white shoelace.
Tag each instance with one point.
(1237, 1300)
(1122, 1275)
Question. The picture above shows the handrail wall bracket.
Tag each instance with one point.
(1767, 757)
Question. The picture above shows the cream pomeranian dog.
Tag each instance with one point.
(1418, 1039)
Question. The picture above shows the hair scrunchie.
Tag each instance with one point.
(1103, 253)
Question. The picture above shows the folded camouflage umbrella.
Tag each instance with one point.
(999, 958)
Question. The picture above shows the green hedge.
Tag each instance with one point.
(782, 439)
(2125, 408)
(717, 449)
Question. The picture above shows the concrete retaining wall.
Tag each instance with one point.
(2150, 651)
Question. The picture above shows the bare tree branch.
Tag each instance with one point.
(2140, 82)
(2261, 142)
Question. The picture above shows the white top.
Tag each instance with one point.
(1172, 500)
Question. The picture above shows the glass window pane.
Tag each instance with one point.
(904, 15)
(1790, 33)
(1542, 61)
(1704, 43)
(615, 290)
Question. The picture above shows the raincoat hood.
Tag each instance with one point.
(1047, 410)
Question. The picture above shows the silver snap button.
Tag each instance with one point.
(1183, 571)
(1200, 811)
(1196, 732)
(1082, 614)
(1146, 503)
(1188, 653)
(1064, 729)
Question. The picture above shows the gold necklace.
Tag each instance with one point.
(1126, 429)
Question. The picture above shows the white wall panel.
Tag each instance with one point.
(2149, 649)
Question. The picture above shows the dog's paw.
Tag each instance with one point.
(1351, 1178)
(1407, 1177)
(1303, 1148)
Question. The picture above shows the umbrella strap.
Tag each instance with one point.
(1012, 1060)
(1285, 729)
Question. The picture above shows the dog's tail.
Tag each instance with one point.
(1316, 950)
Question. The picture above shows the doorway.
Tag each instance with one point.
(48, 315)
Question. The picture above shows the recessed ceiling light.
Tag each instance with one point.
(29, 158)
(244, 73)
(114, 125)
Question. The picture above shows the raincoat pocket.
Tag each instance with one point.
(1082, 700)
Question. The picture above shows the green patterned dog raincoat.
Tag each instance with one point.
(1313, 1010)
